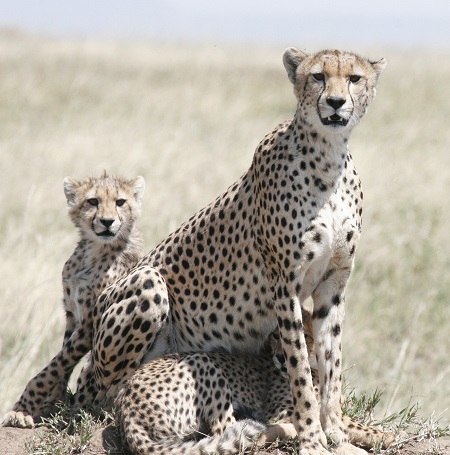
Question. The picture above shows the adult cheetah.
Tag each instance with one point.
(286, 230)
(105, 211)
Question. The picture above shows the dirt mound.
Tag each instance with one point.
(14, 441)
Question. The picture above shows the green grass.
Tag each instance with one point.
(188, 119)
(68, 432)
(408, 423)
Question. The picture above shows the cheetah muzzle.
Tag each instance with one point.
(334, 120)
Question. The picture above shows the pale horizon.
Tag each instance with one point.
(382, 24)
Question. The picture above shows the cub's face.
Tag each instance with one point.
(333, 88)
(104, 209)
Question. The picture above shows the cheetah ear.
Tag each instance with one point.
(139, 187)
(379, 66)
(70, 186)
(292, 57)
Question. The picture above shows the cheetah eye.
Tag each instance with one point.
(93, 201)
(354, 78)
(120, 202)
(319, 76)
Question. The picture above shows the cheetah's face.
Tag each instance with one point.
(333, 88)
(106, 208)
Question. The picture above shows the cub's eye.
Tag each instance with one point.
(355, 78)
(319, 76)
(120, 202)
(93, 201)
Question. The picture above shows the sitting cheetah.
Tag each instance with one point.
(170, 404)
(105, 211)
(286, 230)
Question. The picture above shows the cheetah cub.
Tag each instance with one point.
(171, 403)
(105, 211)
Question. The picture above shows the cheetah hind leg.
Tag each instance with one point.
(135, 324)
(366, 437)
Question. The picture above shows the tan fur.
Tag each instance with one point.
(179, 397)
(287, 230)
(105, 211)
(246, 263)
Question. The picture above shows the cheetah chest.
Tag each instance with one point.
(332, 242)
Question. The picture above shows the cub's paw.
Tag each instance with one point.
(313, 450)
(18, 419)
(348, 449)
(277, 431)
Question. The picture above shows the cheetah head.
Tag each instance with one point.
(333, 88)
(104, 209)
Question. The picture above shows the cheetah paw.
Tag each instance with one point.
(348, 449)
(278, 431)
(313, 450)
(18, 419)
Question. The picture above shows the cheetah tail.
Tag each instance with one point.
(235, 439)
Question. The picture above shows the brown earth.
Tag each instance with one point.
(106, 441)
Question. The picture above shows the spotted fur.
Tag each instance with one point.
(188, 404)
(105, 211)
(247, 262)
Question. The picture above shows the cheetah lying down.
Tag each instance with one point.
(189, 404)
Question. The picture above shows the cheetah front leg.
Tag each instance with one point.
(48, 386)
(306, 416)
(328, 316)
(278, 408)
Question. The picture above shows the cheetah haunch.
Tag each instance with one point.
(286, 230)
(105, 211)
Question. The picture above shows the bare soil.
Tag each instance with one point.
(106, 441)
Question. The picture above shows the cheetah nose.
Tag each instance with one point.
(335, 102)
(107, 222)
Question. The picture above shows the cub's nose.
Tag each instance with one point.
(335, 102)
(107, 222)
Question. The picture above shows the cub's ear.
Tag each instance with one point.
(139, 187)
(292, 57)
(379, 66)
(70, 186)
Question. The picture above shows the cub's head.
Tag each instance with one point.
(104, 209)
(333, 88)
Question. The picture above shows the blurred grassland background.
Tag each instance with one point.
(188, 119)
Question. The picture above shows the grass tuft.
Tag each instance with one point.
(408, 423)
(68, 432)
(361, 407)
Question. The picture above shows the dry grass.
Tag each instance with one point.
(188, 120)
